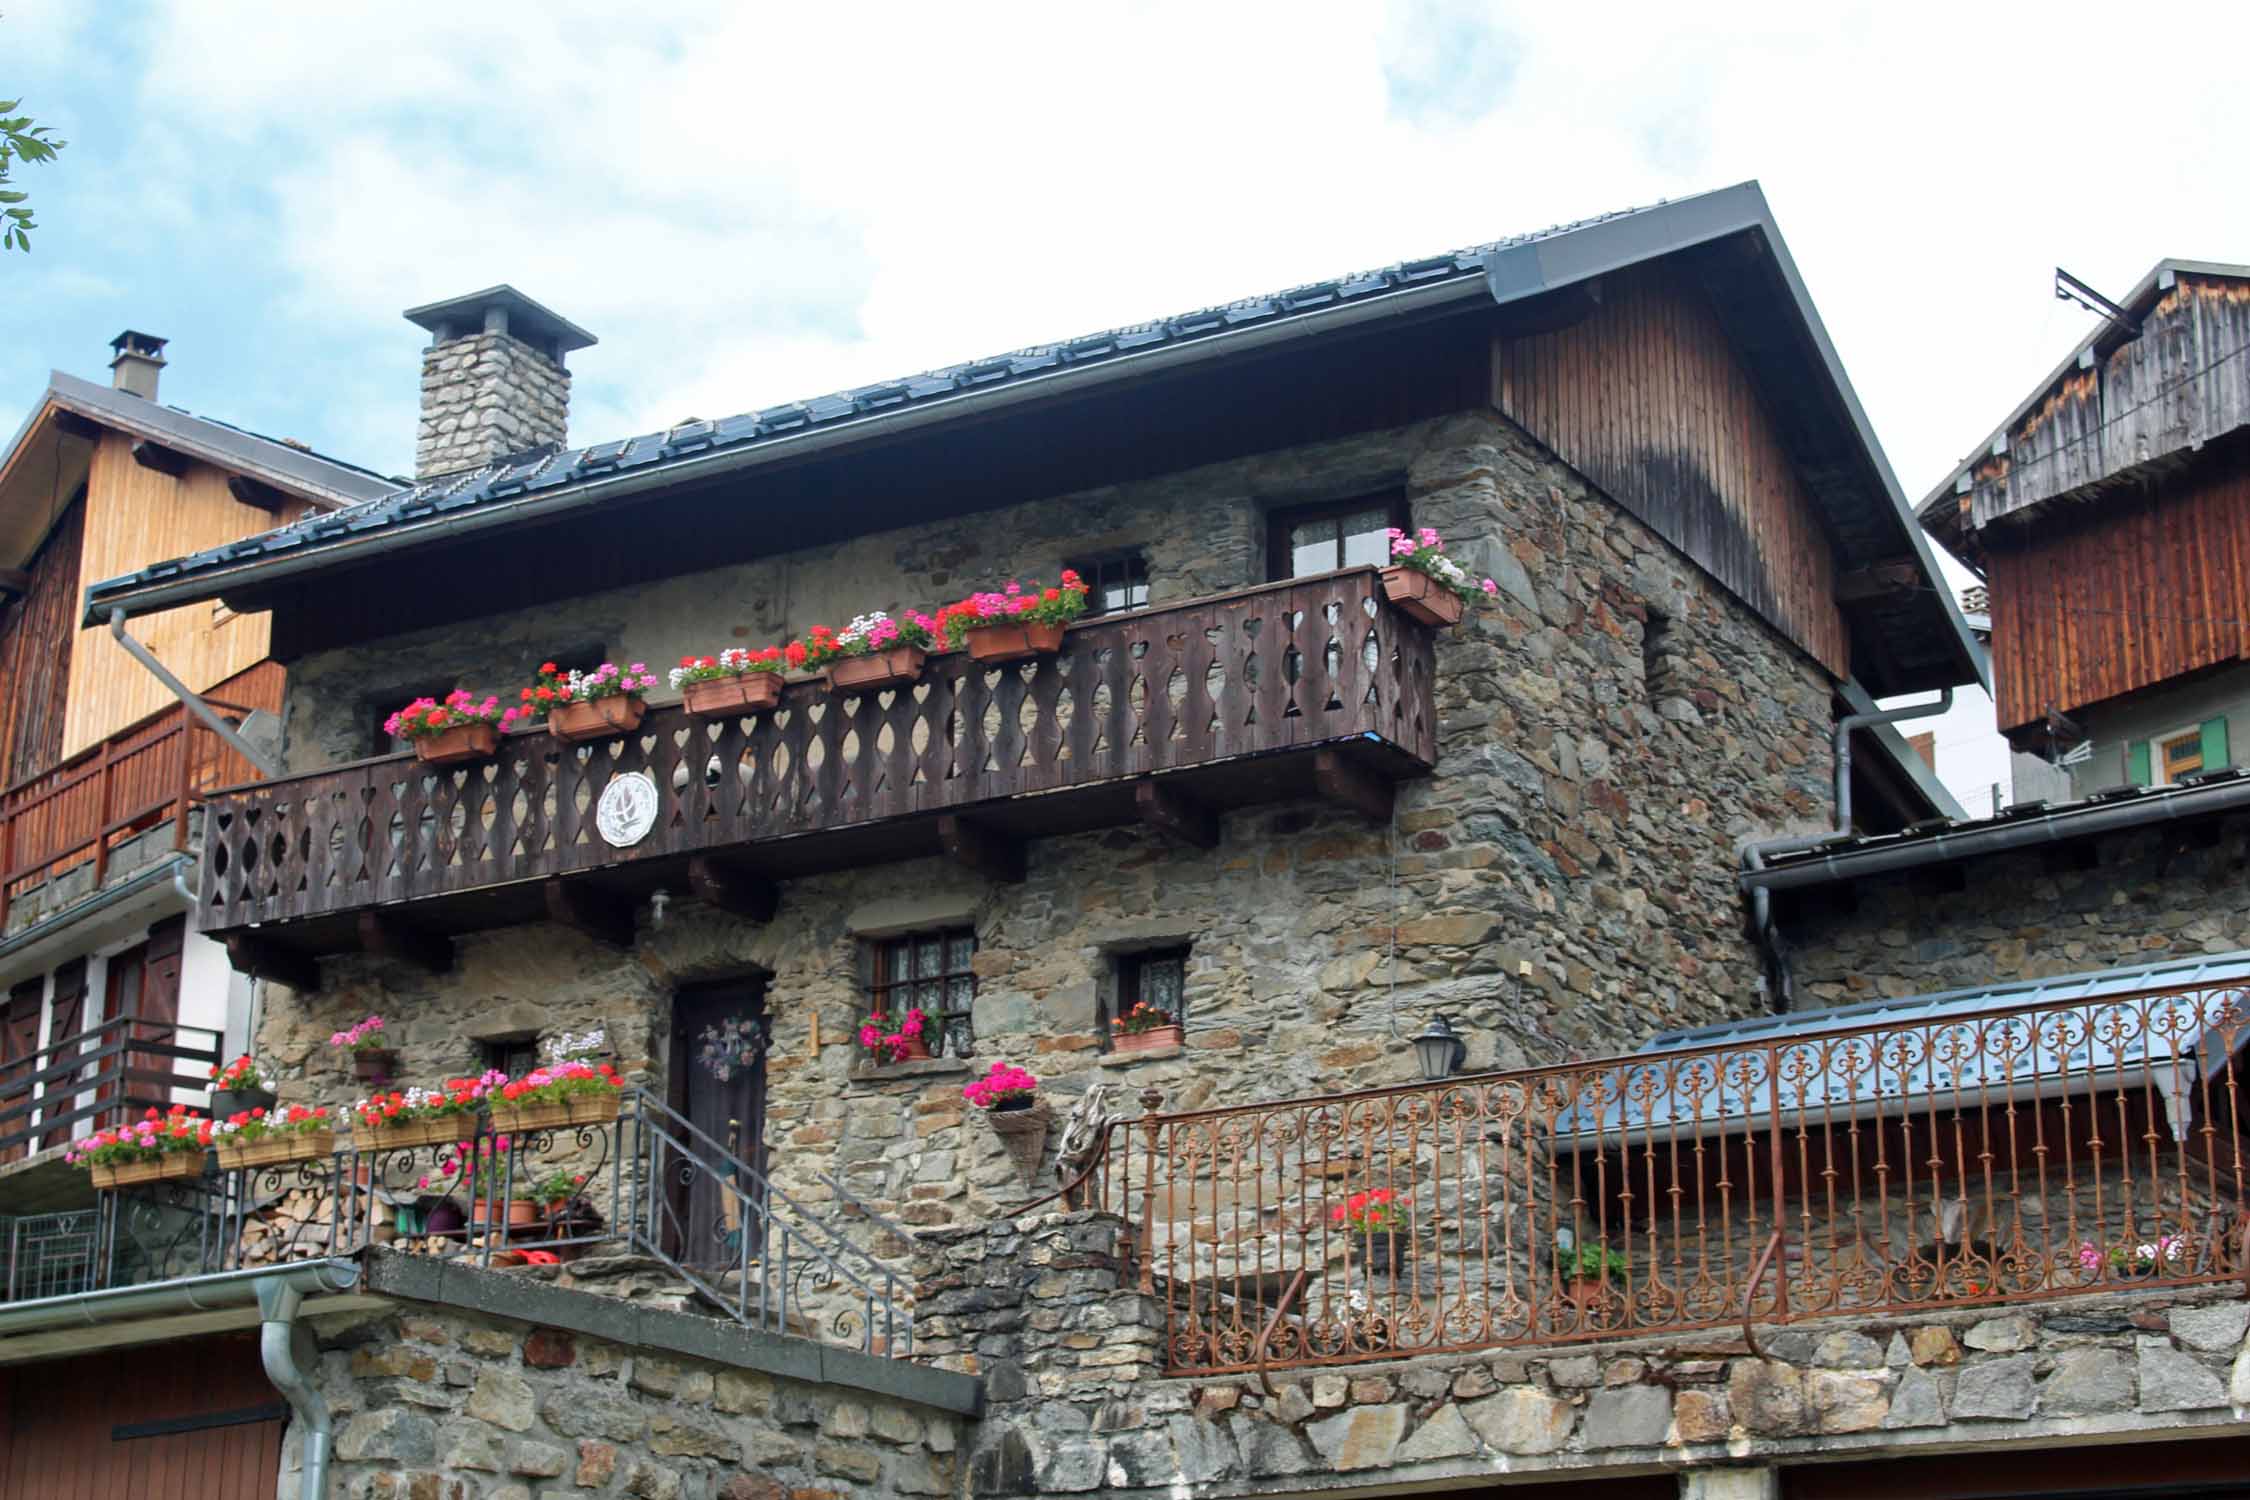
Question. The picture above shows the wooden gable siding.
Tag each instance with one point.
(134, 516)
(36, 638)
(2138, 592)
(1646, 398)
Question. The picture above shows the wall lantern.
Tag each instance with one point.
(1440, 1052)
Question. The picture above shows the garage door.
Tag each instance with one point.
(194, 1420)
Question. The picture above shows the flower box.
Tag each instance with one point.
(1422, 597)
(538, 1114)
(173, 1166)
(600, 719)
(433, 1130)
(458, 746)
(591, 1108)
(1148, 1041)
(876, 670)
(995, 644)
(273, 1150)
(718, 697)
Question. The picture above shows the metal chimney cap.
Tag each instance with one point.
(517, 315)
(146, 345)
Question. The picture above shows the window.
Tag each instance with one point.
(1116, 583)
(1322, 538)
(512, 1055)
(1156, 977)
(2183, 756)
(2171, 757)
(930, 971)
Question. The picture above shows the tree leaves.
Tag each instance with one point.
(20, 140)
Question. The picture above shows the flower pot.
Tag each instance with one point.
(539, 1114)
(718, 697)
(877, 669)
(1151, 1040)
(1023, 1134)
(992, 644)
(1422, 597)
(593, 1109)
(1590, 1294)
(914, 1049)
(602, 719)
(519, 1213)
(459, 745)
(172, 1166)
(374, 1064)
(274, 1150)
(1386, 1251)
(226, 1103)
(433, 1130)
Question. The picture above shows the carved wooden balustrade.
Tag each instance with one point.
(1169, 716)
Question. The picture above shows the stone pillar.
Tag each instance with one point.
(1730, 1484)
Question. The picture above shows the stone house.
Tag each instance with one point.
(1402, 1210)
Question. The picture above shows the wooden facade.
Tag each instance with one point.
(2116, 599)
(1647, 399)
(36, 637)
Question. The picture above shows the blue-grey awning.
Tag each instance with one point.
(2158, 1027)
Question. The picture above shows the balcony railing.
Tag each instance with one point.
(104, 1075)
(138, 779)
(1315, 686)
(1951, 1161)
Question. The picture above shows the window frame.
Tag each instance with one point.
(495, 1052)
(1089, 568)
(1126, 987)
(1281, 520)
(2160, 765)
(950, 1030)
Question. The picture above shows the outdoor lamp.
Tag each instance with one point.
(1441, 1052)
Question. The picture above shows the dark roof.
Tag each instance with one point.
(1859, 497)
(527, 320)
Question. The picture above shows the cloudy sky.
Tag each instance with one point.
(753, 203)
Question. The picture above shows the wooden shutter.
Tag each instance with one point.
(2215, 745)
(2136, 763)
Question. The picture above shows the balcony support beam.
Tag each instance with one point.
(160, 458)
(387, 936)
(1342, 781)
(1177, 814)
(600, 916)
(253, 955)
(981, 850)
(733, 887)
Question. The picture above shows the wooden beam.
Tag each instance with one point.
(733, 887)
(1879, 581)
(1176, 813)
(386, 935)
(601, 916)
(160, 458)
(979, 848)
(257, 493)
(14, 583)
(70, 424)
(1353, 785)
(263, 960)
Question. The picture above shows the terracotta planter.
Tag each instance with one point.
(521, 1213)
(173, 1166)
(1005, 643)
(593, 1109)
(438, 1130)
(718, 697)
(226, 1103)
(1591, 1294)
(274, 1150)
(540, 1114)
(876, 670)
(1147, 1041)
(602, 719)
(1422, 597)
(1023, 1135)
(914, 1050)
(374, 1064)
(459, 745)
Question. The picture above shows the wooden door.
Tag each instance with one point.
(719, 1038)
(144, 997)
(195, 1418)
(19, 1059)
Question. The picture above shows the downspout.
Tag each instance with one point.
(1850, 722)
(279, 1338)
(267, 766)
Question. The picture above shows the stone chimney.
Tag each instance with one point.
(493, 382)
(139, 361)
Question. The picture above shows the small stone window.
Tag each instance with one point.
(1156, 977)
(1309, 539)
(931, 971)
(1116, 582)
(1662, 658)
(512, 1055)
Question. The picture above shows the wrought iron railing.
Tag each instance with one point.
(106, 1074)
(652, 1186)
(1886, 1167)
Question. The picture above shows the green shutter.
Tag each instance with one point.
(2136, 762)
(2215, 745)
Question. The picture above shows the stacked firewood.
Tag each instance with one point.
(298, 1225)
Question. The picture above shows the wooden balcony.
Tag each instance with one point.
(1168, 716)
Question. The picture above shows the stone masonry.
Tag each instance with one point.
(1070, 1352)
(485, 396)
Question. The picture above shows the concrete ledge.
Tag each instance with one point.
(418, 1278)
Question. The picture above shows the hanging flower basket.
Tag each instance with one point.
(1422, 597)
(458, 746)
(894, 667)
(1023, 1134)
(723, 697)
(225, 1102)
(374, 1064)
(173, 1166)
(273, 1150)
(996, 644)
(600, 719)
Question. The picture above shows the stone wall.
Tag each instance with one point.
(1071, 1354)
(1562, 885)
(484, 397)
(2139, 898)
(435, 1403)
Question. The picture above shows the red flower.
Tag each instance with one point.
(687, 661)
(548, 669)
(1051, 595)
(545, 695)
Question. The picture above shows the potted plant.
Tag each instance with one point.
(2131, 1262)
(363, 1041)
(154, 1148)
(905, 1042)
(1374, 1215)
(455, 732)
(873, 652)
(420, 1117)
(1009, 1098)
(487, 1171)
(585, 706)
(736, 681)
(238, 1086)
(557, 1093)
(1425, 583)
(1144, 1028)
(263, 1137)
(1587, 1273)
(1017, 623)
